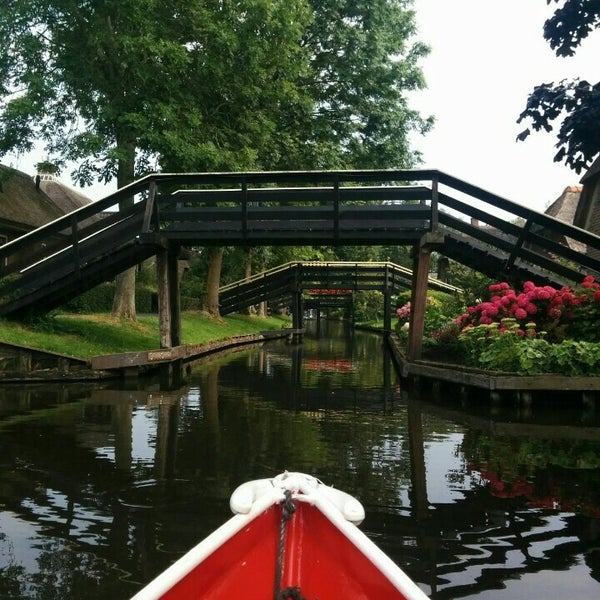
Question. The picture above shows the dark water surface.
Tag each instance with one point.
(100, 489)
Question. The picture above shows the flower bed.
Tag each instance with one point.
(540, 329)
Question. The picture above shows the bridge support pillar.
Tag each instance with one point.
(387, 311)
(169, 308)
(298, 311)
(418, 300)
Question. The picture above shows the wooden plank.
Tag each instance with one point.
(136, 359)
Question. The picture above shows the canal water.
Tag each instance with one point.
(101, 487)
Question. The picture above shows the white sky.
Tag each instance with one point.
(486, 57)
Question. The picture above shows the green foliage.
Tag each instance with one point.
(96, 300)
(575, 103)
(368, 305)
(7, 284)
(46, 166)
(100, 299)
(440, 310)
(490, 348)
(474, 284)
(292, 84)
(362, 64)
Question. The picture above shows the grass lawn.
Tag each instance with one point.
(84, 336)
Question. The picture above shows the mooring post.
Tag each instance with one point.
(297, 310)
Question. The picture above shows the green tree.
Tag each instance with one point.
(116, 85)
(573, 103)
(364, 60)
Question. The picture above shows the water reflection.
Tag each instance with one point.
(102, 488)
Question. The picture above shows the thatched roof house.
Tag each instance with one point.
(564, 209)
(66, 198)
(22, 206)
(27, 203)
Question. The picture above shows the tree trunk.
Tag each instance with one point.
(213, 280)
(124, 298)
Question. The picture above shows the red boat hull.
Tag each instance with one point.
(319, 560)
(289, 533)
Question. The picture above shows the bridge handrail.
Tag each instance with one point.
(292, 265)
(528, 214)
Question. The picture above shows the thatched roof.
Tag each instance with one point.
(565, 205)
(22, 206)
(64, 196)
(564, 208)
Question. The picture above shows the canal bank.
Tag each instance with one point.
(32, 364)
(80, 347)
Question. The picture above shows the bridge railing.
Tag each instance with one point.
(524, 235)
(258, 211)
(68, 231)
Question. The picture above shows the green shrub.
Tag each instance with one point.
(508, 348)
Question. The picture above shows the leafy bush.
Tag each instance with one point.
(539, 330)
(368, 305)
(440, 311)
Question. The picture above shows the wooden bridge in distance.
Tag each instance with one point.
(321, 285)
(426, 209)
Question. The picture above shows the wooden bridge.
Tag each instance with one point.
(325, 284)
(427, 209)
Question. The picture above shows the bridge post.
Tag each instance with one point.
(418, 300)
(297, 310)
(169, 312)
(387, 310)
(164, 312)
(174, 297)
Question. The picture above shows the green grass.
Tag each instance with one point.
(84, 336)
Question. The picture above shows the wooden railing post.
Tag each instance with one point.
(151, 211)
(336, 207)
(244, 208)
(518, 245)
(75, 244)
(434, 203)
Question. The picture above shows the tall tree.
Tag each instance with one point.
(116, 84)
(364, 60)
(574, 103)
